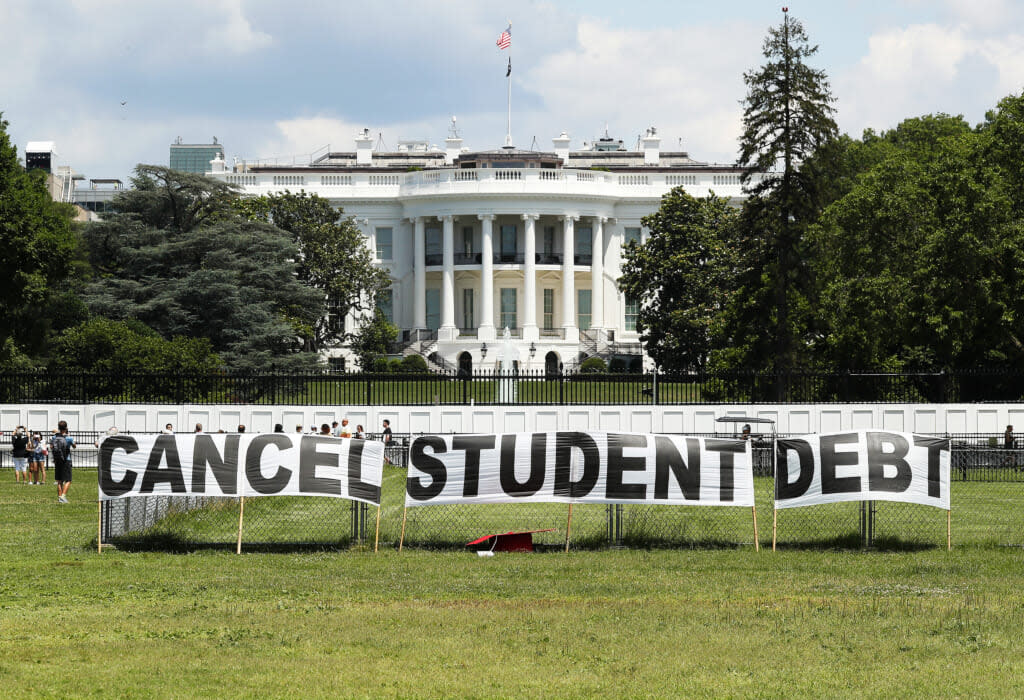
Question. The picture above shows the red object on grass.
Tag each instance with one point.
(510, 541)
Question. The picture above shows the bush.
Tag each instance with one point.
(395, 365)
(636, 365)
(380, 365)
(593, 365)
(412, 364)
(617, 365)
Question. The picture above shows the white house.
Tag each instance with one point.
(475, 242)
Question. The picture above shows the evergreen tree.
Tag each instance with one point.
(787, 116)
(177, 256)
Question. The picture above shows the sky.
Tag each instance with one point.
(114, 82)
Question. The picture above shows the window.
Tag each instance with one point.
(584, 242)
(433, 246)
(632, 311)
(631, 234)
(549, 242)
(335, 317)
(549, 309)
(433, 309)
(583, 309)
(467, 309)
(467, 240)
(386, 304)
(508, 243)
(508, 308)
(384, 243)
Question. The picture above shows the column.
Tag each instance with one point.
(486, 328)
(419, 302)
(447, 331)
(568, 279)
(597, 275)
(530, 331)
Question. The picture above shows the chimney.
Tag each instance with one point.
(364, 148)
(452, 149)
(561, 143)
(652, 144)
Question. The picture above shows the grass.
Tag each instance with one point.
(638, 623)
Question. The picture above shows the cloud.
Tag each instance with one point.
(928, 68)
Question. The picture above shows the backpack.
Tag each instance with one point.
(59, 448)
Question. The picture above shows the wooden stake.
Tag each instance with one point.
(376, 535)
(775, 525)
(99, 528)
(949, 531)
(401, 539)
(241, 513)
(568, 528)
(757, 545)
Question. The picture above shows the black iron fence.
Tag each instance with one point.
(521, 388)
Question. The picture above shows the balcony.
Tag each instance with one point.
(467, 259)
(509, 258)
(549, 259)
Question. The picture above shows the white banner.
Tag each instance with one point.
(240, 464)
(865, 465)
(579, 467)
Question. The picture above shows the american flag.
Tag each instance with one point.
(505, 40)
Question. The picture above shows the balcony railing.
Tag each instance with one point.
(512, 258)
(468, 258)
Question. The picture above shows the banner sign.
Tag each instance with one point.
(865, 465)
(240, 464)
(579, 467)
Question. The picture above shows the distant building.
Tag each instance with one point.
(65, 185)
(194, 157)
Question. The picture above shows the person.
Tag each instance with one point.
(298, 428)
(746, 431)
(111, 432)
(325, 429)
(199, 427)
(278, 428)
(241, 428)
(345, 431)
(61, 445)
(359, 433)
(335, 429)
(19, 451)
(1009, 443)
(37, 463)
(386, 437)
(168, 429)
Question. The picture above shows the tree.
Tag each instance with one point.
(37, 249)
(333, 258)
(373, 339)
(177, 256)
(102, 345)
(919, 264)
(787, 115)
(681, 277)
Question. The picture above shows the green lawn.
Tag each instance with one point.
(654, 623)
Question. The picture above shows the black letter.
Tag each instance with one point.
(259, 482)
(935, 447)
(425, 463)
(877, 459)
(472, 444)
(667, 458)
(357, 488)
(310, 459)
(783, 488)
(830, 459)
(538, 466)
(224, 470)
(172, 474)
(726, 479)
(614, 488)
(564, 444)
(107, 484)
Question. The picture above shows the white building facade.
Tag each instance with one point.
(476, 242)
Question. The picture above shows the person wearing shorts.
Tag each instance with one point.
(62, 460)
(37, 459)
(19, 451)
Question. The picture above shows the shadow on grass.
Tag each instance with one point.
(174, 544)
(853, 541)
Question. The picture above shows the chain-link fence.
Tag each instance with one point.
(987, 499)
